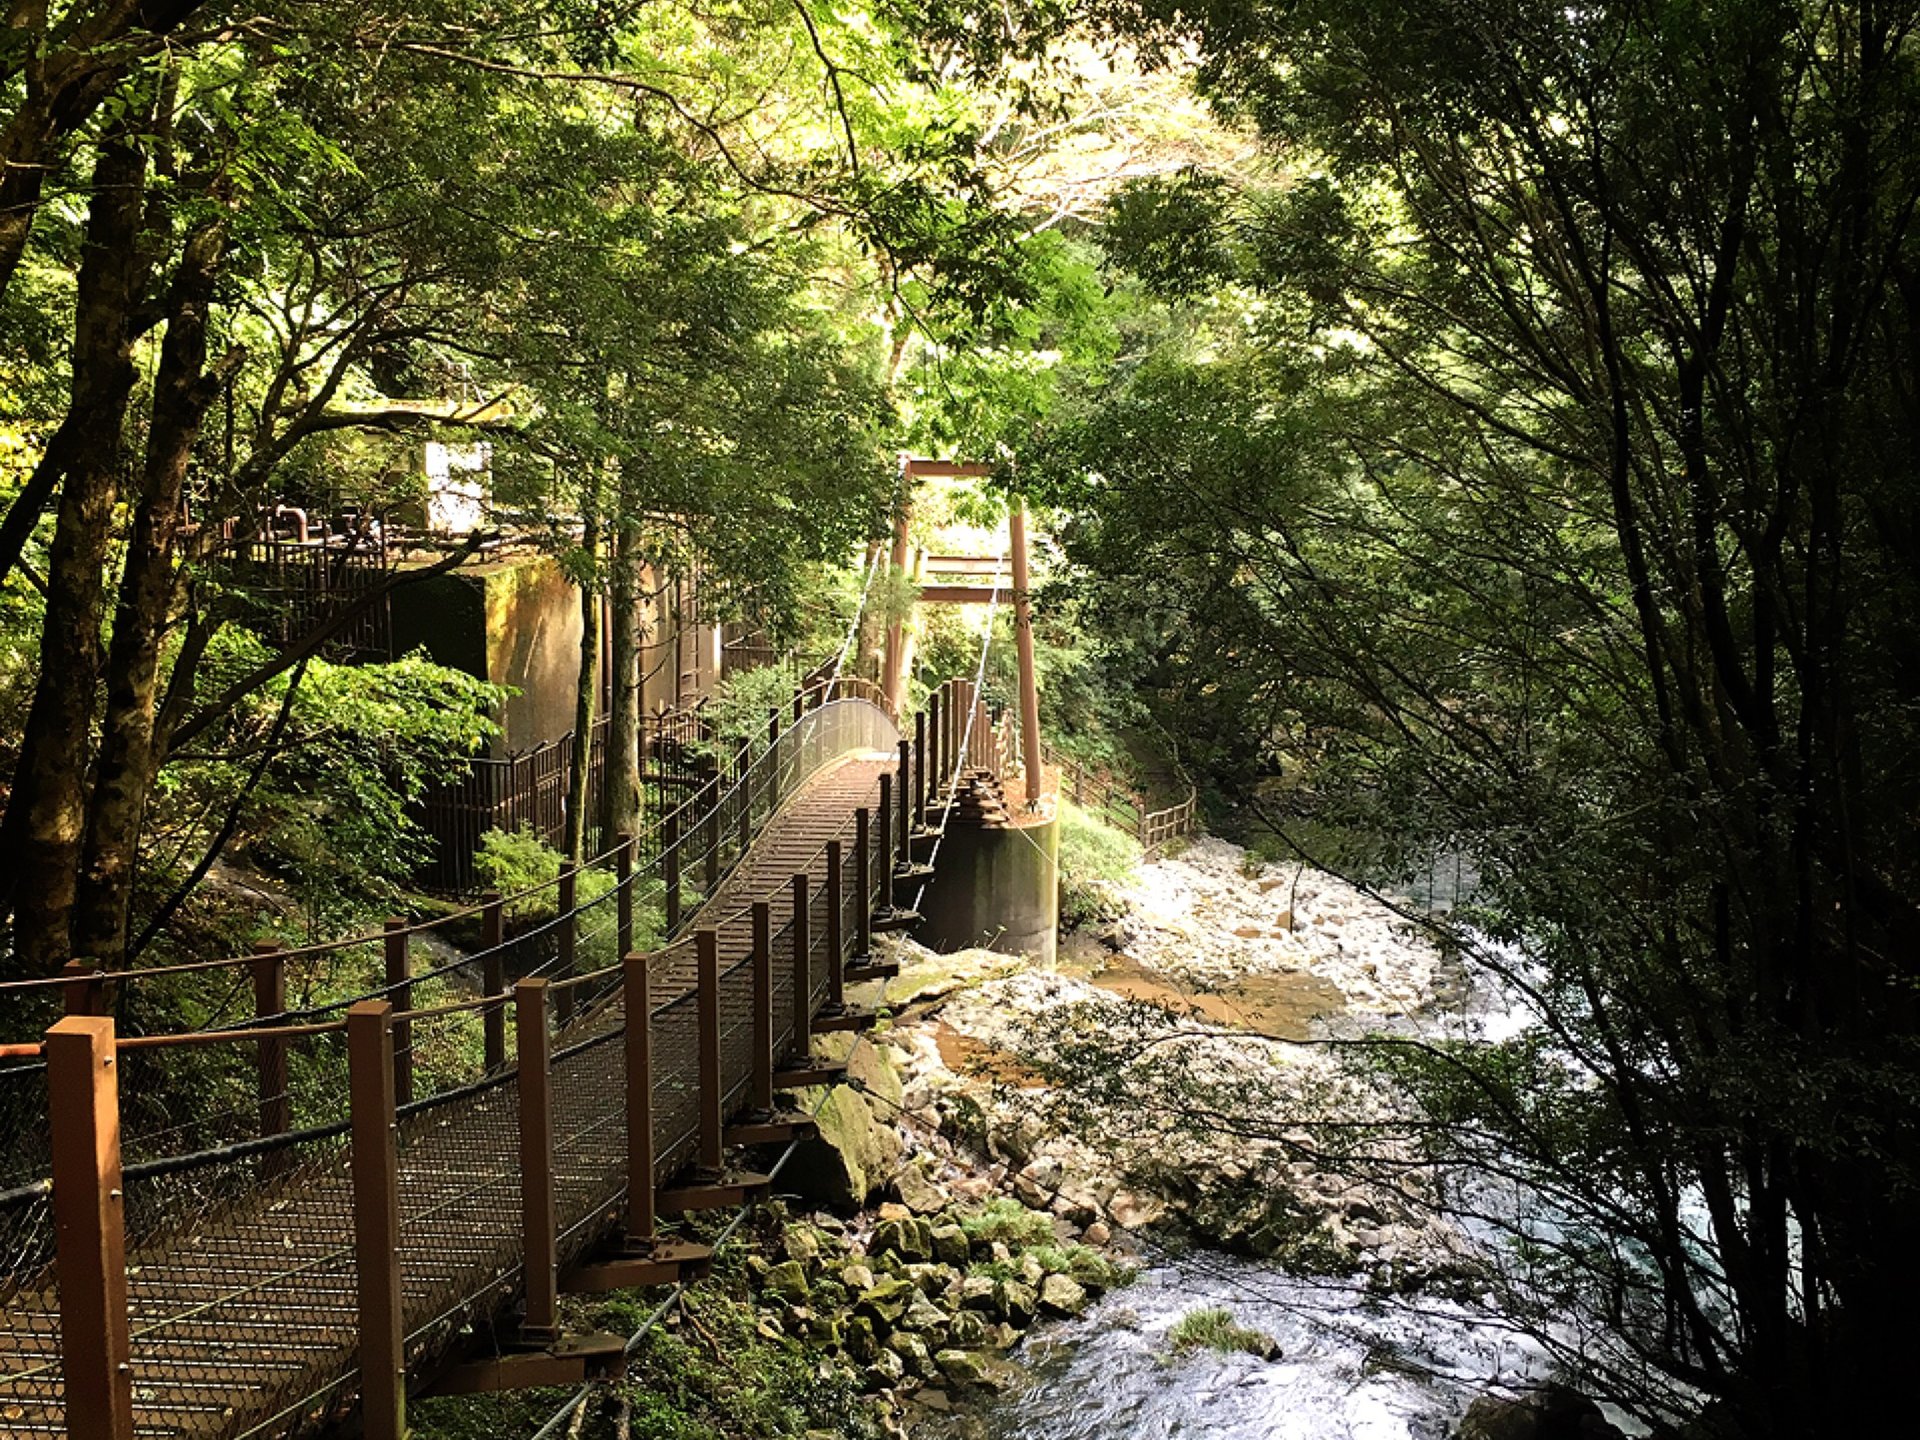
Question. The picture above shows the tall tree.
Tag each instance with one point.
(1555, 503)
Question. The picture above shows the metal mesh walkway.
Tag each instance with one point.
(241, 1275)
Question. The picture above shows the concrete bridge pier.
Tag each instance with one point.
(996, 887)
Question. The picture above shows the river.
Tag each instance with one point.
(1351, 1366)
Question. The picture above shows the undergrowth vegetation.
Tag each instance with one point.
(1214, 1328)
(1097, 863)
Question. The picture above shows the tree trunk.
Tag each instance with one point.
(587, 692)
(623, 725)
(40, 843)
(130, 744)
(61, 88)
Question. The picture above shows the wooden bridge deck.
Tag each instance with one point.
(241, 1273)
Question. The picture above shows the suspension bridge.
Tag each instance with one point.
(404, 1153)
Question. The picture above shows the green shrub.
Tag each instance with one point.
(1009, 1222)
(1214, 1328)
(514, 860)
(1097, 864)
(1086, 1265)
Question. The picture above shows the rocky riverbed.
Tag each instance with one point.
(1017, 1141)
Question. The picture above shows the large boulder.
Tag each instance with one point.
(979, 1292)
(887, 1298)
(924, 1316)
(913, 1350)
(961, 1367)
(950, 1244)
(911, 1239)
(788, 1280)
(917, 1192)
(856, 1149)
(1018, 1301)
(969, 1329)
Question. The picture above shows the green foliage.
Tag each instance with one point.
(1474, 517)
(739, 710)
(1214, 1328)
(325, 802)
(1084, 1264)
(1097, 863)
(1168, 230)
(1009, 1222)
(512, 861)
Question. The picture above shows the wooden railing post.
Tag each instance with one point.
(943, 747)
(400, 992)
(886, 842)
(623, 903)
(707, 950)
(920, 780)
(670, 866)
(567, 897)
(949, 694)
(903, 798)
(493, 976)
(639, 1056)
(89, 1216)
(863, 877)
(270, 999)
(930, 748)
(539, 1220)
(713, 838)
(762, 1007)
(84, 991)
(836, 940)
(376, 1221)
(802, 969)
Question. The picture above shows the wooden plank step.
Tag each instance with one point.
(846, 1017)
(665, 1260)
(772, 1128)
(814, 1072)
(715, 1191)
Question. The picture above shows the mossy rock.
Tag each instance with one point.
(961, 1367)
(887, 1298)
(788, 1280)
(950, 1244)
(911, 1239)
(851, 1155)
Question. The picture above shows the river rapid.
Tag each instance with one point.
(1351, 1363)
(1351, 1366)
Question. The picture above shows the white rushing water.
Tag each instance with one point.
(1351, 1367)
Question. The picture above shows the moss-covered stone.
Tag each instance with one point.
(913, 1351)
(788, 1280)
(887, 1298)
(950, 1244)
(911, 1239)
(961, 1367)
(1062, 1295)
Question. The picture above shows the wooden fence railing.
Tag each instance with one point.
(1120, 805)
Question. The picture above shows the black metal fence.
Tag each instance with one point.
(531, 789)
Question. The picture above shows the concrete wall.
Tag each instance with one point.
(514, 622)
(995, 888)
(533, 644)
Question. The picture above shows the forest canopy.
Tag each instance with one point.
(1479, 430)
